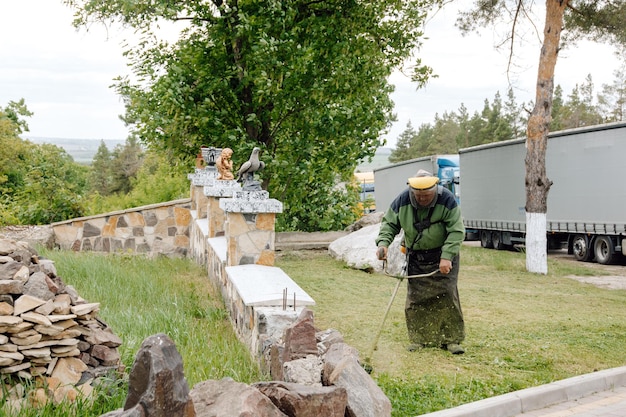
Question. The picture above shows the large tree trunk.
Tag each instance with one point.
(537, 182)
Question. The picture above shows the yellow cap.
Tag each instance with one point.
(423, 183)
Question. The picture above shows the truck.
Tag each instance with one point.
(391, 180)
(586, 206)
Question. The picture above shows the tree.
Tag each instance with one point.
(451, 131)
(126, 161)
(579, 109)
(445, 133)
(306, 81)
(612, 100)
(100, 177)
(402, 151)
(14, 112)
(598, 20)
(54, 186)
(556, 122)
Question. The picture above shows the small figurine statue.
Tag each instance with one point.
(247, 170)
(225, 165)
(200, 164)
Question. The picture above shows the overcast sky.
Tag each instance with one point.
(65, 75)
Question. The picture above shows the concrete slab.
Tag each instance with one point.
(219, 246)
(260, 285)
(203, 225)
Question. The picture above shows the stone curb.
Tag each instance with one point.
(529, 399)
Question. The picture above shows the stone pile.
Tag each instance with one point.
(48, 332)
(315, 375)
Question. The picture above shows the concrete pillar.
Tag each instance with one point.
(249, 227)
(199, 179)
(215, 191)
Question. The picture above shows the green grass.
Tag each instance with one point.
(141, 297)
(522, 329)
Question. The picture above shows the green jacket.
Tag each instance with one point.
(446, 230)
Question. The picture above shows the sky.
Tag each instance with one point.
(65, 74)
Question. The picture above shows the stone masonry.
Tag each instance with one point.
(157, 229)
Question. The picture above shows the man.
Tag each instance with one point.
(433, 232)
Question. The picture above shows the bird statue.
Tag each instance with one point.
(251, 166)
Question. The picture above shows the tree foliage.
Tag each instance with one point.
(455, 130)
(155, 181)
(306, 81)
(499, 121)
(39, 184)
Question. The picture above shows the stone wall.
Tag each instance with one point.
(157, 229)
(232, 233)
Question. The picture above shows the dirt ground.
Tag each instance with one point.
(616, 280)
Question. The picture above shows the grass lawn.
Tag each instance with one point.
(522, 329)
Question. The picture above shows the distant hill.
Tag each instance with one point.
(81, 150)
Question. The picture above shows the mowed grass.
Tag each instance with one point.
(522, 329)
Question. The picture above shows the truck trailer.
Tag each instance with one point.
(586, 207)
(391, 180)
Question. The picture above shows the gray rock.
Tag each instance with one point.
(38, 285)
(157, 383)
(7, 246)
(33, 235)
(305, 371)
(300, 338)
(227, 398)
(47, 267)
(326, 338)
(358, 251)
(367, 220)
(9, 269)
(297, 400)
(11, 286)
(342, 369)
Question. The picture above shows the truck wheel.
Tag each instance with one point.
(604, 250)
(485, 239)
(580, 248)
(496, 240)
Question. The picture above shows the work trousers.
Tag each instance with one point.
(433, 309)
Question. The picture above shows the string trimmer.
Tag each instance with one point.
(368, 359)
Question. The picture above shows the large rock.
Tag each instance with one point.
(227, 398)
(367, 220)
(33, 235)
(300, 340)
(342, 369)
(157, 384)
(296, 400)
(358, 251)
(305, 371)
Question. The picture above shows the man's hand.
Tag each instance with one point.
(445, 266)
(381, 253)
